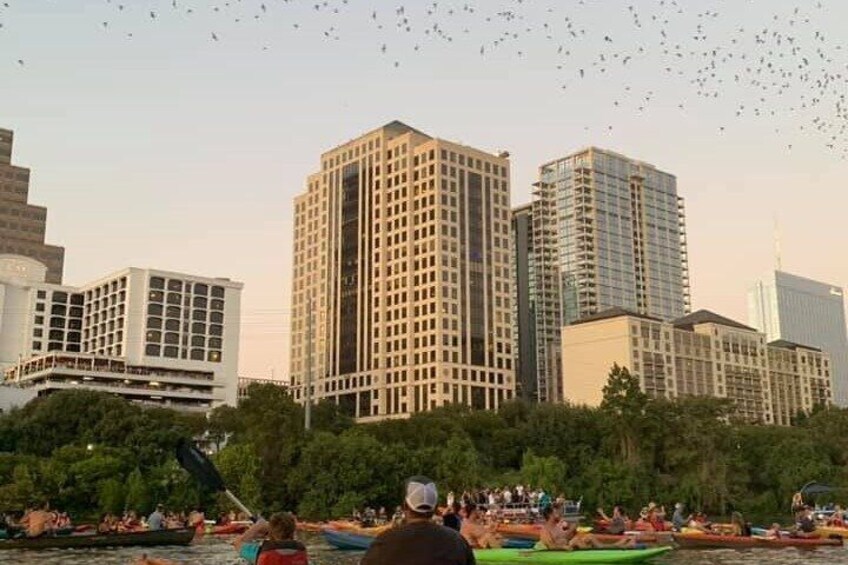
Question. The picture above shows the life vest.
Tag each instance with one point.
(289, 552)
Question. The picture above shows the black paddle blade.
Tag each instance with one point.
(199, 466)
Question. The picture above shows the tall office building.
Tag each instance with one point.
(23, 225)
(797, 309)
(401, 289)
(608, 231)
(156, 337)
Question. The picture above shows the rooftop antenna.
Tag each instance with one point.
(777, 255)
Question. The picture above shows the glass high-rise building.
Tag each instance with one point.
(23, 225)
(401, 297)
(608, 232)
(807, 312)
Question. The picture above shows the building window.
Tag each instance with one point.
(154, 336)
(152, 350)
(172, 338)
(201, 289)
(39, 307)
(174, 284)
(157, 282)
(36, 346)
(154, 309)
(215, 356)
(218, 292)
(171, 351)
(216, 317)
(156, 296)
(41, 294)
(154, 323)
(197, 354)
(172, 325)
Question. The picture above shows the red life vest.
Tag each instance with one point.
(289, 552)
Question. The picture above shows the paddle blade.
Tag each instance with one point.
(199, 466)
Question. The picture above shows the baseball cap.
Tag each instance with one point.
(421, 494)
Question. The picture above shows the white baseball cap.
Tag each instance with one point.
(421, 494)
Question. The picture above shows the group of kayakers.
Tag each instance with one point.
(36, 521)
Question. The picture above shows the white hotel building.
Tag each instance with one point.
(156, 337)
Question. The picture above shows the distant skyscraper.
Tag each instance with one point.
(401, 289)
(524, 303)
(608, 231)
(22, 225)
(804, 311)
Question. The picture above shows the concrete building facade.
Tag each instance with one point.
(802, 310)
(401, 289)
(608, 231)
(135, 321)
(23, 225)
(701, 354)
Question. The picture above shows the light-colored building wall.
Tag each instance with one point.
(401, 288)
(587, 350)
(699, 355)
(146, 317)
(35, 316)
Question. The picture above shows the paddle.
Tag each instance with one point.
(203, 470)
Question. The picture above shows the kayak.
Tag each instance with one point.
(347, 540)
(832, 531)
(716, 541)
(358, 542)
(229, 529)
(520, 531)
(181, 536)
(587, 556)
(313, 527)
(345, 526)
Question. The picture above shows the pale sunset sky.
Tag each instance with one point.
(176, 149)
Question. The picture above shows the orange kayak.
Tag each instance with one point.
(519, 531)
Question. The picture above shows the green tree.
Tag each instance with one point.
(110, 496)
(624, 406)
(547, 473)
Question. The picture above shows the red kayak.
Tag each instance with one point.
(693, 541)
(227, 530)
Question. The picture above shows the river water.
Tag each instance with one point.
(215, 550)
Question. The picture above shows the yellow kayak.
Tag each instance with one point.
(832, 531)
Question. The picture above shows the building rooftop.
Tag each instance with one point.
(706, 317)
(614, 312)
(786, 344)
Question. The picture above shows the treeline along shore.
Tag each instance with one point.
(90, 453)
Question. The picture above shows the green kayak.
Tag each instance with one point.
(578, 556)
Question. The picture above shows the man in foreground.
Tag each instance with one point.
(419, 541)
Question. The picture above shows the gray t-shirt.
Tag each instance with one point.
(154, 521)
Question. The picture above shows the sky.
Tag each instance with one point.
(175, 135)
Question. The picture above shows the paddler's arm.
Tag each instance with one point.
(255, 532)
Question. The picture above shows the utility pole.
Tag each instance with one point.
(307, 424)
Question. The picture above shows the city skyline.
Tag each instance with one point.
(199, 176)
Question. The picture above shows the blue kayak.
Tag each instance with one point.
(357, 542)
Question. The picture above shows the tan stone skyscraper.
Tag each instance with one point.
(22, 225)
(401, 287)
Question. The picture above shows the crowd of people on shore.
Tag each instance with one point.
(508, 497)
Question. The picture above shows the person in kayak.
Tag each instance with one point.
(617, 524)
(805, 526)
(837, 519)
(418, 541)
(678, 519)
(279, 546)
(37, 522)
(554, 536)
(475, 531)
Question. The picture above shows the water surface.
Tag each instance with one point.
(216, 550)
